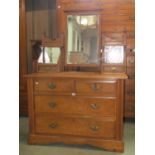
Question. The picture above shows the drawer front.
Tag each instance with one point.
(54, 85)
(47, 68)
(75, 126)
(113, 68)
(75, 105)
(104, 88)
(130, 61)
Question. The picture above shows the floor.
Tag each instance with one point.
(61, 149)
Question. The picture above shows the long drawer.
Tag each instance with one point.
(75, 126)
(75, 105)
(104, 88)
(54, 85)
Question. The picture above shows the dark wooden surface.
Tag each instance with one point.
(23, 105)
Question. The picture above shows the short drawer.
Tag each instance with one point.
(75, 126)
(114, 68)
(47, 68)
(55, 85)
(104, 88)
(130, 61)
(75, 105)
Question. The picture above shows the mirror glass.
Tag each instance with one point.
(114, 54)
(83, 39)
(49, 55)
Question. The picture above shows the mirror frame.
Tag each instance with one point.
(48, 67)
(118, 40)
(97, 66)
(112, 63)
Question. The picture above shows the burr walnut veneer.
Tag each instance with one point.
(77, 108)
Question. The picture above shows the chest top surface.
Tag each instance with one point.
(80, 75)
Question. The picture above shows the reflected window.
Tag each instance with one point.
(83, 39)
(49, 55)
(113, 54)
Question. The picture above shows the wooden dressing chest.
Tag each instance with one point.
(77, 108)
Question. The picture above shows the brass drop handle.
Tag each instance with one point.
(94, 128)
(53, 125)
(94, 106)
(51, 85)
(94, 87)
(52, 104)
(113, 68)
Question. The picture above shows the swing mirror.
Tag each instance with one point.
(82, 39)
(48, 55)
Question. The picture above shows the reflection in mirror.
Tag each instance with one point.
(83, 39)
(113, 54)
(49, 55)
